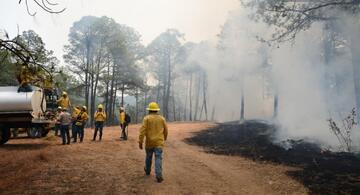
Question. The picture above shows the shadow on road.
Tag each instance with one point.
(322, 172)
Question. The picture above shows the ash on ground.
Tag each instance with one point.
(322, 172)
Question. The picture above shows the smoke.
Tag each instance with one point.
(311, 87)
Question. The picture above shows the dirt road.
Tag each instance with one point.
(43, 166)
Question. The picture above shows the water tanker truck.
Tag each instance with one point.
(33, 111)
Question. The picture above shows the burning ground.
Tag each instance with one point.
(322, 172)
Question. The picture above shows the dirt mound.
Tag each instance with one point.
(321, 172)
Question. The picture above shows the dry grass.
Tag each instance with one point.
(43, 166)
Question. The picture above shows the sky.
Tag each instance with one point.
(198, 19)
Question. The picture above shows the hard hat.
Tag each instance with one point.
(100, 106)
(153, 106)
(64, 93)
(64, 109)
(59, 108)
(122, 108)
(84, 107)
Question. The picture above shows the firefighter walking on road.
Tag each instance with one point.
(124, 120)
(155, 130)
(100, 117)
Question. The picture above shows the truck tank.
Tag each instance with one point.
(21, 110)
(13, 101)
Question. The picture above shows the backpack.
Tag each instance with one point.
(127, 119)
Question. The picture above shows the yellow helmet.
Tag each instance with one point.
(84, 107)
(100, 106)
(153, 106)
(64, 93)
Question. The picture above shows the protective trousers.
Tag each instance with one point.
(98, 127)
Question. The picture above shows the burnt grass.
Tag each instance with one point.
(322, 172)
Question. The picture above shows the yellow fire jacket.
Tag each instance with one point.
(64, 102)
(155, 130)
(122, 117)
(81, 119)
(25, 78)
(75, 113)
(100, 116)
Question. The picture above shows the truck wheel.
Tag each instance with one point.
(44, 132)
(14, 132)
(4, 135)
(34, 132)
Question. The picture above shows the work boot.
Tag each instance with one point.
(159, 179)
(146, 172)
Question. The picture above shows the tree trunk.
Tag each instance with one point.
(204, 95)
(355, 52)
(197, 97)
(136, 106)
(107, 98)
(276, 105)
(113, 106)
(186, 100)
(93, 101)
(201, 111)
(174, 105)
(213, 113)
(90, 106)
(111, 102)
(158, 93)
(145, 102)
(167, 87)
(190, 97)
(87, 73)
(242, 106)
(122, 94)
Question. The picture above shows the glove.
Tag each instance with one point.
(140, 146)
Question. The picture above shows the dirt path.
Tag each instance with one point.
(116, 167)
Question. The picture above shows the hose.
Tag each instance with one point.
(42, 101)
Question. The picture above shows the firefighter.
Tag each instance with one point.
(64, 101)
(65, 121)
(155, 130)
(25, 79)
(81, 120)
(124, 120)
(57, 123)
(100, 117)
(48, 83)
(74, 114)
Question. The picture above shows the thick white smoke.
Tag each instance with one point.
(296, 72)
